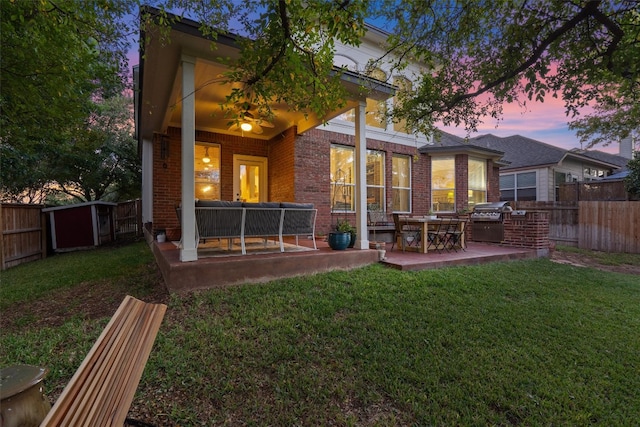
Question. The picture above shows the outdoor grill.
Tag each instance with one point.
(487, 221)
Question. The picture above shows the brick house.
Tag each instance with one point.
(346, 163)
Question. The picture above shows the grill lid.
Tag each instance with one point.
(492, 207)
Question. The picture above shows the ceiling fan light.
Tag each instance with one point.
(245, 126)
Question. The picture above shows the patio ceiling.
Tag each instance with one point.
(160, 87)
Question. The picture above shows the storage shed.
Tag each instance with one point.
(81, 226)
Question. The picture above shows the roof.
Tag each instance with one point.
(446, 143)
(615, 159)
(79, 205)
(523, 152)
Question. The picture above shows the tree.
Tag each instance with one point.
(101, 161)
(58, 58)
(482, 54)
(476, 55)
(632, 181)
(287, 48)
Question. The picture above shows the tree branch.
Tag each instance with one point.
(590, 9)
(282, 9)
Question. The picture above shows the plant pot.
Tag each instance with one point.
(352, 240)
(339, 241)
(377, 245)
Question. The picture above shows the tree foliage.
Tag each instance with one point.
(632, 181)
(481, 54)
(476, 55)
(58, 59)
(101, 160)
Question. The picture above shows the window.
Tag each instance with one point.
(342, 178)
(521, 186)
(477, 181)
(375, 180)
(443, 184)
(401, 183)
(591, 174)
(404, 85)
(560, 178)
(207, 171)
(375, 110)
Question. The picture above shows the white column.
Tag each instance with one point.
(361, 177)
(188, 251)
(147, 181)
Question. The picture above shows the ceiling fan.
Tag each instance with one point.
(247, 122)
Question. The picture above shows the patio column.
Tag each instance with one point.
(362, 241)
(188, 251)
(147, 181)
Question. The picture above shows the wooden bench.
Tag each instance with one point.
(102, 389)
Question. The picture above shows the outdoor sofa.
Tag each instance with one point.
(218, 219)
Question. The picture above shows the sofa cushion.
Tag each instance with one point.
(292, 205)
(217, 204)
(263, 205)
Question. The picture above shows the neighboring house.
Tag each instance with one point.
(535, 170)
(345, 163)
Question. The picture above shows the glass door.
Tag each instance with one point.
(249, 178)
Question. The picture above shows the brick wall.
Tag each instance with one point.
(313, 181)
(462, 181)
(299, 167)
(532, 231)
(493, 182)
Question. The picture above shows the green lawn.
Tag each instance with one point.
(518, 343)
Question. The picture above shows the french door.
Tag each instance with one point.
(250, 178)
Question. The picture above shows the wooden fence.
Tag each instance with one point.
(23, 236)
(563, 219)
(610, 226)
(594, 191)
(128, 218)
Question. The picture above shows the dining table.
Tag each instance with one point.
(428, 224)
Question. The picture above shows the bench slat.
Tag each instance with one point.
(103, 387)
(66, 399)
(106, 376)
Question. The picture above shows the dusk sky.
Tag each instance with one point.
(544, 122)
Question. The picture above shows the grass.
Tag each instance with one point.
(519, 343)
(34, 280)
(604, 258)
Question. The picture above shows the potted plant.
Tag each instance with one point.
(340, 239)
(345, 227)
(465, 212)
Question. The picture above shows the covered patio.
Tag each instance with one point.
(230, 270)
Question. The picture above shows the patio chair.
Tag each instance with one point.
(409, 236)
(455, 235)
(437, 237)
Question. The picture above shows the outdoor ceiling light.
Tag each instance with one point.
(206, 158)
(246, 126)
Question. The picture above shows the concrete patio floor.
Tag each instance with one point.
(221, 271)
